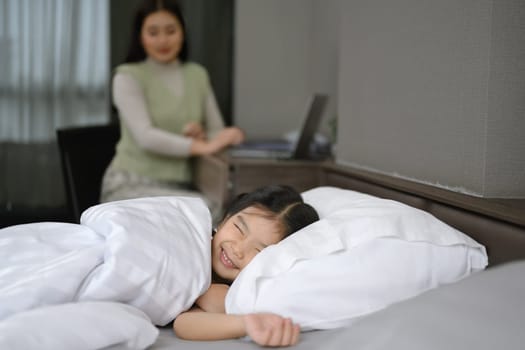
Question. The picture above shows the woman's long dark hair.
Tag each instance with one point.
(136, 51)
(279, 201)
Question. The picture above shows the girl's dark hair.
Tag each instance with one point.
(280, 202)
(136, 51)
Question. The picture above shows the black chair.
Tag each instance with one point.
(85, 154)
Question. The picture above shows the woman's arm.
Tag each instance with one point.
(217, 136)
(224, 138)
(130, 102)
(263, 328)
(212, 115)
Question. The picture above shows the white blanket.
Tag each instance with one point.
(134, 262)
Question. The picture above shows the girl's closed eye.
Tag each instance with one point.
(239, 229)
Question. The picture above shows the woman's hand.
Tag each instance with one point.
(271, 330)
(224, 138)
(194, 130)
(230, 136)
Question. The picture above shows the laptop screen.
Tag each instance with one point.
(310, 126)
(285, 149)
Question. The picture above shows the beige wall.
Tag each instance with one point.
(432, 91)
(284, 52)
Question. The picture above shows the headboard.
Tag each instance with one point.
(497, 224)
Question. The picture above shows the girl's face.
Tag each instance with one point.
(240, 238)
(162, 36)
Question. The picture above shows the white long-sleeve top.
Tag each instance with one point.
(133, 111)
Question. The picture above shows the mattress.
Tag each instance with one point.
(483, 311)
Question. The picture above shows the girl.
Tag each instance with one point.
(253, 222)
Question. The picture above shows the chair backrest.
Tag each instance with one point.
(85, 154)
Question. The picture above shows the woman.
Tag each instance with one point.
(167, 109)
(253, 222)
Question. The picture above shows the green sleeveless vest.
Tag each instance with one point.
(167, 112)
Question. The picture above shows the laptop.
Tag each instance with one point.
(284, 149)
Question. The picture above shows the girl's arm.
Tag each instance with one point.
(197, 324)
(213, 299)
(264, 329)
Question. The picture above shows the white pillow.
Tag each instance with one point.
(157, 254)
(364, 254)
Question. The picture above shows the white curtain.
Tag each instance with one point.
(54, 72)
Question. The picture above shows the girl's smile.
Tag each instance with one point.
(226, 260)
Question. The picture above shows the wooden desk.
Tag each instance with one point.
(247, 174)
(221, 178)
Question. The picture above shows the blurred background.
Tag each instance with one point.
(431, 91)
(56, 62)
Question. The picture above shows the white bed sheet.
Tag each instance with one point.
(485, 311)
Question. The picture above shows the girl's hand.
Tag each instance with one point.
(194, 130)
(271, 330)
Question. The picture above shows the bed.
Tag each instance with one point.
(482, 309)
(485, 311)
